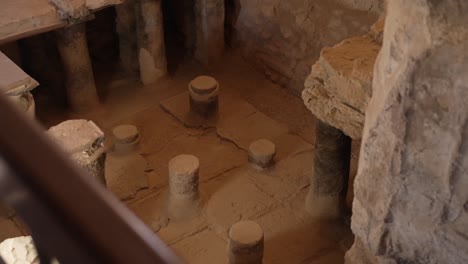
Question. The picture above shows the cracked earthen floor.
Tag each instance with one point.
(251, 107)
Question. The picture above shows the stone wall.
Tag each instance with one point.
(411, 203)
(284, 38)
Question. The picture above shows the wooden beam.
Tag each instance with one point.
(13, 80)
(23, 18)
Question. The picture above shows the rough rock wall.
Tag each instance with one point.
(340, 85)
(284, 38)
(411, 203)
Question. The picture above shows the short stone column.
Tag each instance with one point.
(184, 195)
(209, 24)
(80, 85)
(151, 47)
(261, 154)
(204, 92)
(331, 171)
(125, 167)
(245, 245)
(128, 44)
(84, 142)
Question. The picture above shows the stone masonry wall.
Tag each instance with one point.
(411, 203)
(284, 38)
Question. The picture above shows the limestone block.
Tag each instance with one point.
(410, 201)
(19, 250)
(339, 87)
(84, 141)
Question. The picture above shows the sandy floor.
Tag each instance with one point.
(251, 107)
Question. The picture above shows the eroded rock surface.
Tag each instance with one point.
(411, 199)
(340, 85)
(83, 140)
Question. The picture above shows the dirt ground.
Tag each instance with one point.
(250, 108)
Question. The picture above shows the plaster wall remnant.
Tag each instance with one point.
(331, 168)
(209, 26)
(410, 201)
(184, 195)
(203, 95)
(151, 47)
(80, 85)
(128, 44)
(245, 245)
(84, 142)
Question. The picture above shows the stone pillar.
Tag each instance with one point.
(80, 85)
(125, 167)
(84, 142)
(128, 44)
(204, 91)
(261, 154)
(209, 24)
(411, 199)
(184, 195)
(151, 46)
(331, 169)
(245, 245)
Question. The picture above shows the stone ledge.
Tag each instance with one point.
(340, 85)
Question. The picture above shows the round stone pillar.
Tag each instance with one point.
(261, 154)
(128, 44)
(204, 92)
(331, 171)
(151, 47)
(209, 24)
(245, 244)
(184, 195)
(80, 85)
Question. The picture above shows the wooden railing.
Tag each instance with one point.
(71, 217)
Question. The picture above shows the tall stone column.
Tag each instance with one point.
(331, 170)
(209, 24)
(411, 199)
(80, 85)
(151, 46)
(128, 44)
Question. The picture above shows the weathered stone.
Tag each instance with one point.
(125, 167)
(128, 44)
(339, 87)
(151, 47)
(331, 169)
(245, 244)
(19, 250)
(84, 142)
(184, 194)
(80, 85)
(262, 153)
(71, 9)
(410, 191)
(209, 25)
(204, 91)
